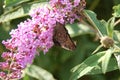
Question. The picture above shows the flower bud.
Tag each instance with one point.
(107, 42)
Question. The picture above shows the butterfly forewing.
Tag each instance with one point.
(62, 38)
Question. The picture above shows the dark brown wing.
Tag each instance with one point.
(62, 38)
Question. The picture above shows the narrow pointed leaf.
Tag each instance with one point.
(91, 16)
(110, 26)
(117, 56)
(106, 59)
(86, 66)
(111, 66)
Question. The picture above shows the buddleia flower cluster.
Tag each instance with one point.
(36, 33)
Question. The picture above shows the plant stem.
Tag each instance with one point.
(117, 22)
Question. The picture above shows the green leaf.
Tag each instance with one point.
(9, 3)
(26, 77)
(110, 26)
(117, 38)
(78, 29)
(91, 16)
(21, 11)
(117, 56)
(111, 66)
(39, 73)
(106, 59)
(98, 48)
(117, 35)
(86, 66)
(116, 11)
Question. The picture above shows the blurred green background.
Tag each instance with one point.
(59, 61)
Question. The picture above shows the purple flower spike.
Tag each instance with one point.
(35, 33)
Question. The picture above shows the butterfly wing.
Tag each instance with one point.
(62, 38)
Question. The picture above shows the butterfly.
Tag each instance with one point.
(62, 38)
